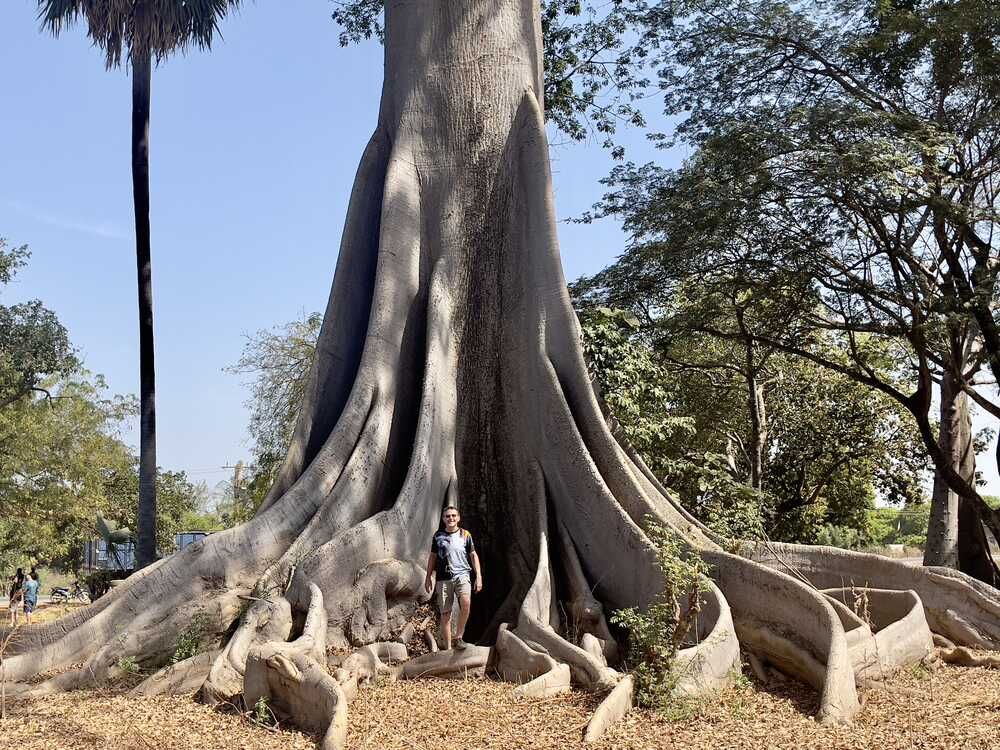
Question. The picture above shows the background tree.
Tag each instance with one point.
(139, 32)
(59, 451)
(845, 160)
(34, 345)
(279, 361)
(62, 458)
(830, 445)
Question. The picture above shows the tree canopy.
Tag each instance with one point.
(841, 190)
(63, 457)
(34, 345)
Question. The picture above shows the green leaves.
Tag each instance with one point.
(278, 361)
(596, 58)
(34, 345)
(61, 456)
(657, 632)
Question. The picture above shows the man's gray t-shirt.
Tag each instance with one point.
(452, 553)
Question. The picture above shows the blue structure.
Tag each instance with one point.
(99, 555)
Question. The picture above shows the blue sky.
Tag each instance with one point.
(253, 152)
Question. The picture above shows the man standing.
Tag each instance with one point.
(453, 558)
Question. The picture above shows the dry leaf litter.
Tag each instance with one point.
(946, 708)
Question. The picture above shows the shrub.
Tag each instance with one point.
(189, 640)
(656, 633)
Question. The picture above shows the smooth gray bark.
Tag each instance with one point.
(955, 440)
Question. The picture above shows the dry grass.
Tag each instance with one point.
(113, 721)
(942, 709)
(945, 709)
(49, 612)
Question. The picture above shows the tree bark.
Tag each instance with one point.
(758, 428)
(145, 548)
(955, 444)
(955, 534)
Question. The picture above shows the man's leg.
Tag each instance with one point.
(464, 607)
(446, 629)
(445, 597)
(463, 590)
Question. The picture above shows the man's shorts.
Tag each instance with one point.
(445, 592)
(29, 606)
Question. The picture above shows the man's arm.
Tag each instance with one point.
(429, 578)
(479, 572)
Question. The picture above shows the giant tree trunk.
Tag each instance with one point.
(145, 548)
(449, 368)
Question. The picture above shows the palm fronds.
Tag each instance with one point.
(123, 27)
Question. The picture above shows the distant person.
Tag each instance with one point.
(36, 576)
(16, 595)
(30, 591)
(453, 558)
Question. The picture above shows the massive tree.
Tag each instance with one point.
(449, 369)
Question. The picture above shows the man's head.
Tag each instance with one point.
(450, 518)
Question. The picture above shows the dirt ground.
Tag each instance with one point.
(948, 708)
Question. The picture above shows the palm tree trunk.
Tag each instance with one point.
(141, 82)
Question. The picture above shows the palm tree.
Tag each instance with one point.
(139, 31)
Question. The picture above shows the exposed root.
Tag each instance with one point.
(389, 651)
(584, 611)
(407, 633)
(710, 665)
(896, 633)
(963, 657)
(941, 642)
(758, 667)
(469, 661)
(378, 585)
(539, 675)
(795, 627)
(183, 678)
(595, 647)
(266, 620)
(296, 687)
(961, 608)
(431, 641)
(612, 709)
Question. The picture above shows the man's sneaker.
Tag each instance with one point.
(458, 644)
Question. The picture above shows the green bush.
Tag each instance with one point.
(656, 633)
(830, 535)
(129, 664)
(189, 640)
